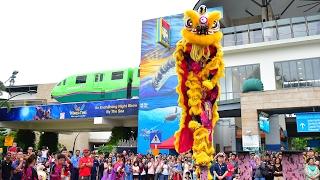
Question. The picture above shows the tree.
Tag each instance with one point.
(49, 139)
(25, 138)
(299, 144)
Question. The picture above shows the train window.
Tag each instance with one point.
(98, 77)
(81, 79)
(138, 72)
(117, 75)
(64, 82)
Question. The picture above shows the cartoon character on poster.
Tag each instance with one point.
(199, 66)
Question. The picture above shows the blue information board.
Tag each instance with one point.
(124, 107)
(308, 122)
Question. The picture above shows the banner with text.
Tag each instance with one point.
(125, 107)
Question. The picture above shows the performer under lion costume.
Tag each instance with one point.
(199, 66)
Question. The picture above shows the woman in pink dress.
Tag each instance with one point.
(118, 169)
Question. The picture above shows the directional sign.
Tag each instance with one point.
(155, 138)
(308, 122)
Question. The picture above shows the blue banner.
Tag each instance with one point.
(308, 122)
(72, 110)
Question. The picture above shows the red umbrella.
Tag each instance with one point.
(167, 144)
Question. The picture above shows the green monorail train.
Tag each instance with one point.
(106, 85)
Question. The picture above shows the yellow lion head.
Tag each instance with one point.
(202, 28)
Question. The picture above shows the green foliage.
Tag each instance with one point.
(106, 149)
(49, 139)
(299, 143)
(119, 133)
(25, 138)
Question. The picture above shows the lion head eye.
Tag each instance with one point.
(216, 26)
(189, 23)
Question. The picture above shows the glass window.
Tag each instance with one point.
(299, 26)
(297, 73)
(284, 28)
(256, 33)
(228, 36)
(316, 71)
(117, 75)
(279, 75)
(98, 77)
(64, 82)
(229, 83)
(138, 72)
(81, 79)
(314, 25)
(223, 95)
(242, 35)
(269, 31)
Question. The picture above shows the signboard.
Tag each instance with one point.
(72, 110)
(8, 141)
(308, 122)
(163, 32)
(155, 138)
(264, 124)
(251, 143)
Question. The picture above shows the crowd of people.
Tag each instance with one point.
(86, 165)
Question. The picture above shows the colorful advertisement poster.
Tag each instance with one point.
(72, 110)
(163, 28)
(159, 112)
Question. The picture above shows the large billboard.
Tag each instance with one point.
(159, 112)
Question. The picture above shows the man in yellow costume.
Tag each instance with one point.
(199, 66)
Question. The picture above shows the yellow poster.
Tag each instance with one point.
(1, 150)
(8, 141)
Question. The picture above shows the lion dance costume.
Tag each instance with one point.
(199, 66)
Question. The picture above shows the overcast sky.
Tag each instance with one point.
(47, 41)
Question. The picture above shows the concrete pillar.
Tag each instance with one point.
(273, 137)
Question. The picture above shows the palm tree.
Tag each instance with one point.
(4, 102)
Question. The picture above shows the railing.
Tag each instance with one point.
(229, 97)
(271, 30)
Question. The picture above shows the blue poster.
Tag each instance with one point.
(72, 110)
(308, 122)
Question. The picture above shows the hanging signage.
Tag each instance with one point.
(308, 122)
(72, 110)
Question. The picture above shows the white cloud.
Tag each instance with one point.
(49, 40)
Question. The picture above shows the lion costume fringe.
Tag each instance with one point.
(199, 65)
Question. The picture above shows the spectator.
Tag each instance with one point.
(101, 166)
(95, 167)
(30, 151)
(219, 169)
(44, 153)
(311, 170)
(234, 162)
(230, 167)
(17, 167)
(41, 174)
(128, 170)
(58, 168)
(67, 164)
(260, 171)
(118, 168)
(29, 172)
(136, 170)
(13, 148)
(143, 169)
(278, 175)
(151, 169)
(85, 165)
(158, 166)
(75, 165)
(165, 170)
(6, 167)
